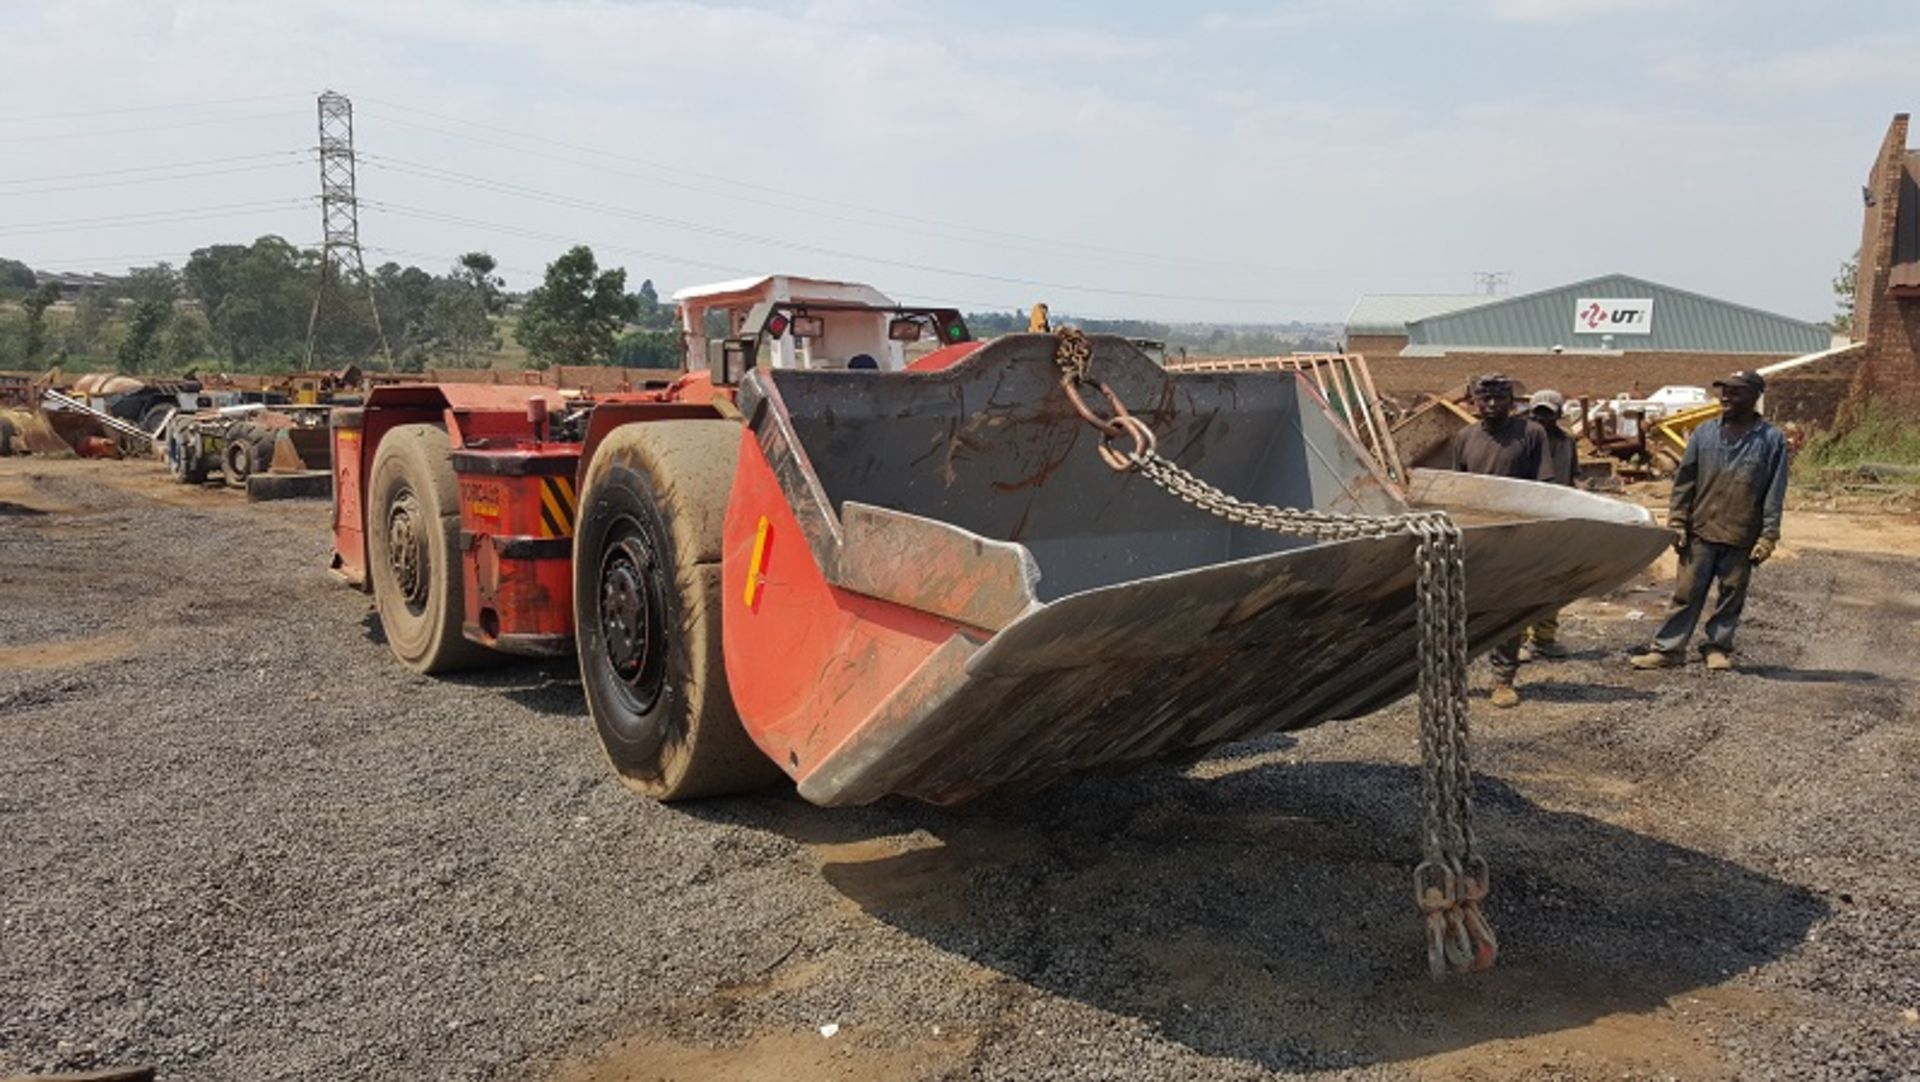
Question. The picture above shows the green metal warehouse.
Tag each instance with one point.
(1614, 313)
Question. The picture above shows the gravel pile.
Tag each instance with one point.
(237, 842)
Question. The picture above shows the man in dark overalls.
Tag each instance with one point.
(1502, 444)
(1727, 498)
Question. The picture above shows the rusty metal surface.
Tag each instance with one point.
(1132, 673)
(1154, 628)
(934, 567)
(459, 397)
(299, 449)
(992, 446)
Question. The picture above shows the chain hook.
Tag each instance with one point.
(1451, 881)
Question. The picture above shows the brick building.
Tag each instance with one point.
(1886, 306)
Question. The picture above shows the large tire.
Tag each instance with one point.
(236, 462)
(151, 417)
(413, 551)
(646, 604)
(248, 451)
(184, 459)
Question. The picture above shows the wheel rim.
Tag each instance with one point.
(632, 616)
(406, 556)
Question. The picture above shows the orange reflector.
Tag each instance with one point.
(759, 560)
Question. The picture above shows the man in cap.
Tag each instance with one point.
(1727, 498)
(1502, 444)
(1546, 408)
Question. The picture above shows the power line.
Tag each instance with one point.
(559, 238)
(449, 260)
(64, 188)
(982, 234)
(339, 220)
(20, 119)
(156, 168)
(1491, 283)
(77, 263)
(1000, 237)
(1013, 306)
(63, 136)
(447, 176)
(1024, 242)
(188, 214)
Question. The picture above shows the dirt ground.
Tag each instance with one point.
(236, 841)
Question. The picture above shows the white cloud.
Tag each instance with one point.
(1563, 10)
(1884, 60)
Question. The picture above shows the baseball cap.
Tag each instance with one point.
(1552, 400)
(1492, 381)
(1743, 378)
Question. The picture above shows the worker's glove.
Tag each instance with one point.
(1680, 542)
(1762, 549)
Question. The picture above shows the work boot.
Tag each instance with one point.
(1718, 660)
(1503, 696)
(1653, 659)
(1548, 649)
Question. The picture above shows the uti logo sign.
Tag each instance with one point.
(1613, 315)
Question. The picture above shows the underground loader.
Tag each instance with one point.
(856, 547)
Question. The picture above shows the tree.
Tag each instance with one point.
(160, 283)
(577, 312)
(36, 304)
(141, 347)
(404, 296)
(1844, 287)
(457, 323)
(475, 270)
(90, 315)
(16, 277)
(257, 299)
(188, 340)
(650, 314)
(647, 349)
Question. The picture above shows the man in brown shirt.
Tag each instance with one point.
(1502, 445)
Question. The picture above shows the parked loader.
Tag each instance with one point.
(819, 555)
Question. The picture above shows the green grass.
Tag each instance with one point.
(1877, 436)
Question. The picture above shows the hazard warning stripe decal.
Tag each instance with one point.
(556, 507)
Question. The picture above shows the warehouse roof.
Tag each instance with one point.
(1676, 320)
(1389, 313)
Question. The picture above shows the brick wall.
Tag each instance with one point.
(1812, 395)
(1574, 375)
(1376, 345)
(1890, 369)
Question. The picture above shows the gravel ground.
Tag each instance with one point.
(238, 843)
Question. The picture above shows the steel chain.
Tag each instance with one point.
(1451, 880)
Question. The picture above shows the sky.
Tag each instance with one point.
(1232, 162)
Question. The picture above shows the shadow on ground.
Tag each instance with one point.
(1815, 676)
(1266, 915)
(547, 686)
(1560, 691)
